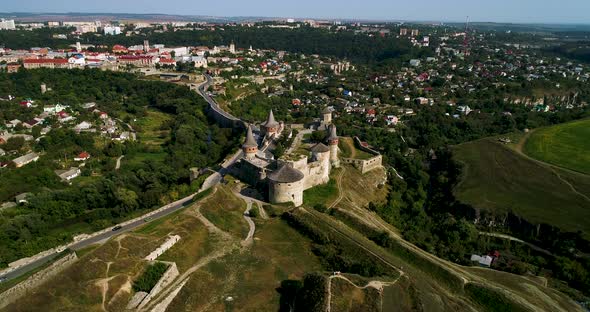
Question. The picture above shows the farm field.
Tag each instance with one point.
(565, 145)
(497, 178)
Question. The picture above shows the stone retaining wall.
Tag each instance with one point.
(167, 278)
(36, 279)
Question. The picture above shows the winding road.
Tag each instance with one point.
(211, 181)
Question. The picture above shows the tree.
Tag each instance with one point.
(14, 143)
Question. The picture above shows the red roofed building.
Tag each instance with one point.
(167, 61)
(117, 48)
(82, 156)
(46, 63)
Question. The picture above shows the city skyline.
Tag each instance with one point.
(502, 11)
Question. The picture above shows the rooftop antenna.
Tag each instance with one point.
(466, 38)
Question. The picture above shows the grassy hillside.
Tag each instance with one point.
(499, 179)
(566, 145)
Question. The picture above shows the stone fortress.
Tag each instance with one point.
(302, 167)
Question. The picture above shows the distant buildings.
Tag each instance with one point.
(112, 30)
(7, 24)
(46, 63)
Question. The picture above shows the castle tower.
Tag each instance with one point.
(270, 126)
(43, 88)
(78, 46)
(327, 116)
(232, 48)
(333, 142)
(286, 185)
(250, 147)
(146, 46)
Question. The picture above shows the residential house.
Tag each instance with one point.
(84, 125)
(68, 175)
(54, 109)
(22, 198)
(25, 159)
(82, 156)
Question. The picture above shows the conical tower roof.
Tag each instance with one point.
(270, 121)
(320, 148)
(333, 135)
(250, 141)
(286, 174)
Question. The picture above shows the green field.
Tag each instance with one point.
(566, 145)
(499, 179)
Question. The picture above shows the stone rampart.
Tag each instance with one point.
(167, 278)
(36, 280)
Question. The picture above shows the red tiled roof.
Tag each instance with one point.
(135, 57)
(45, 61)
(83, 155)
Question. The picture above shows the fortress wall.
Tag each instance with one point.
(365, 165)
(167, 278)
(357, 143)
(224, 119)
(35, 280)
(300, 164)
(318, 172)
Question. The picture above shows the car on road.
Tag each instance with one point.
(147, 219)
(116, 228)
(2, 279)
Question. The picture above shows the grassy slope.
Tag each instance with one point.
(566, 145)
(226, 211)
(76, 290)
(250, 277)
(348, 149)
(499, 179)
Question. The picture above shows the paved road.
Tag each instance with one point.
(171, 208)
(201, 90)
(105, 236)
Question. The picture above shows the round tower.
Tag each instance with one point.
(270, 126)
(333, 143)
(250, 147)
(286, 185)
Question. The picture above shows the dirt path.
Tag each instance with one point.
(228, 244)
(248, 240)
(351, 148)
(379, 285)
(263, 213)
(512, 238)
(340, 191)
(118, 165)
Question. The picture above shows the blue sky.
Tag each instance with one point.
(535, 11)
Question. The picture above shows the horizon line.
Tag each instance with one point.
(346, 19)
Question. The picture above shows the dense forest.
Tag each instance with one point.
(58, 210)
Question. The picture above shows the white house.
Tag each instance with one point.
(54, 109)
(482, 260)
(25, 159)
(67, 175)
(84, 125)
